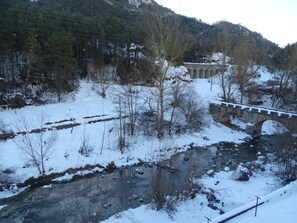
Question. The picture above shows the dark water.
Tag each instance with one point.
(127, 187)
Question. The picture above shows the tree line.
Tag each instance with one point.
(51, 44)
(54, 42)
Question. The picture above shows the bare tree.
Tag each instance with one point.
(36, 147)
(122, 123)
(192, 107)
(245, 68)
(102, 80)
(126, 101)
(176, 93)
(103, 138)
(238, 76)
(225, 41)
(130, 95)
(228, 84)
(286, 73)
(167, 41)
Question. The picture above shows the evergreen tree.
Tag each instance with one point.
(32, 52)
(60, 50)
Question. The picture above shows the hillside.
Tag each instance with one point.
(35, 34)
(88, 129)
(100, 120)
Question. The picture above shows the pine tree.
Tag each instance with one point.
(60, 50)
(32, 52)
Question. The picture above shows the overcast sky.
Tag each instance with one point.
(276, 20)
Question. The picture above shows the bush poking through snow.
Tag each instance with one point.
(192, 107)
(3, 128)
(85, 147)
(6, 181)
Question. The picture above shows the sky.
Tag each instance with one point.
(276, 20)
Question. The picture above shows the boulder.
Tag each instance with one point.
(242, 174)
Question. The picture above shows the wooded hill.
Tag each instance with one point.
(53, 43)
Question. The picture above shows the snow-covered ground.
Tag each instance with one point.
(103, 138)
(279, 206)
(234, 196)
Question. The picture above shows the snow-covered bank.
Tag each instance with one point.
(231, 193)
(66, 155)
(102, 136)
(279, 206)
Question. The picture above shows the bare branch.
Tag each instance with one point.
(36, 147)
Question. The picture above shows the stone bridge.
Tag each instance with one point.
(253, 116)
(202, 70)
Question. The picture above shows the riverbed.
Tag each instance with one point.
(106, 193)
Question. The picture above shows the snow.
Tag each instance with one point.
(12, 192)
(139, 2)
(265, 75)
(237, 122)
(87, 106)
(177, 71)
(210, 172)
(272, 127)
(214, 59)
(236, 193)
(218, 57)
(68, 177)
(82, 110)
(279, 206)
(190, 212)
(233, 193)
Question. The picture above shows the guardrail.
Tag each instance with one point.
(237, 212)
(258, 109)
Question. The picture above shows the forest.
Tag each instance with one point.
(48, 45)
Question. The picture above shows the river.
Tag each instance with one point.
(104, 194)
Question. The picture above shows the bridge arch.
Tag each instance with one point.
(195, 73)
(251, 118)
(207, 73)
(257, 129)
(201, 71)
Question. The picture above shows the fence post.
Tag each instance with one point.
(208, 220)
(257, 202)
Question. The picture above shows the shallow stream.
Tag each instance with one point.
(106, 194)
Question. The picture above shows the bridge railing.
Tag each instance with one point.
(258, 109)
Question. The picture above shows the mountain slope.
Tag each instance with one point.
(99, 32)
